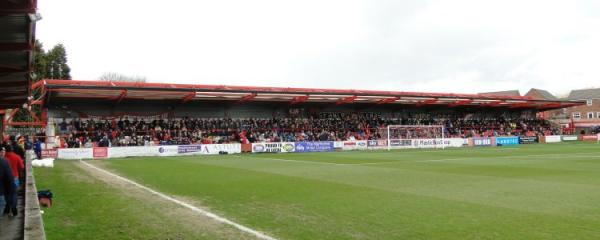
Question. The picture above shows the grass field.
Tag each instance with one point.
(549, 191)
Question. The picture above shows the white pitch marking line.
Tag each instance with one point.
(189, 206)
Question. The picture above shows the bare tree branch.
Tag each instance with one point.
(117, 77)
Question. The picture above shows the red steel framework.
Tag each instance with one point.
(117, 92)
(17, 20)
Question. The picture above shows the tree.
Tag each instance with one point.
(117, 77)
(40, 65)
(56, 60)
(46, 65)
(51, 64)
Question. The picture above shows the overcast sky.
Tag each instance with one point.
(432, 46)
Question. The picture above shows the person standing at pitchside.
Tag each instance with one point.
(16, 164)
(7, 180)
(37, 148)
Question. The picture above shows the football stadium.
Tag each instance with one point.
(97, 159)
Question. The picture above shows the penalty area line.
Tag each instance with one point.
(187, 205)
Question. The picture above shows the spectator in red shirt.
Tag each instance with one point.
(6, 181)
(16, 163)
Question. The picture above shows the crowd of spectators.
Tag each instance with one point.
(316, 127)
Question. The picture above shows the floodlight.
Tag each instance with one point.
(34, 17)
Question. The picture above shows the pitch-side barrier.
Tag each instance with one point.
(289, 147)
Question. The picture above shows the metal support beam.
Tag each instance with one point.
(299, 99)
(427, 102)
(520, 105)
(346, 100)
(460, 103)
(248, 97)
(38, 84)
(547, 106)
(15, 47)
(387, 100)
(121, 96)
(491, 104)
(188, 97)
(42, 124)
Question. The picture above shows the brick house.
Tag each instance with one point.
(540, 94)
(585, 117)
(545, 95)
(574, 119)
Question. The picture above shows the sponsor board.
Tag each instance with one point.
(426, 143)
(119, 152)
(49, 153)
(505, 141)
(288, 147)
(168, 150)
(361, 144)
(75, 153)
(349, 145)
(400, 142)
(314, 146)
(272, 147)
(338, 144)
(482, 142)
(554, 139)
(203, 149)
(437, 143)
(569, 138)
(377, 144)
(258, 147)
(527, 140)
(589, 137)
(355, 145)
(145, 151)
(211, 149)
(100, 152)
(189, 149)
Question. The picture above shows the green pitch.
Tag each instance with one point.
(545, 191)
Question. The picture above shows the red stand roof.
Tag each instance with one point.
(118, 91)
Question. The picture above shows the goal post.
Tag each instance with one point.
(408, 133)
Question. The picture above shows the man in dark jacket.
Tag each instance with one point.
(7, 181)
(37, 148)
(28, 144)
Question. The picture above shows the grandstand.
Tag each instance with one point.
(134, 114)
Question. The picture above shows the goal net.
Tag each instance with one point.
(415, 136)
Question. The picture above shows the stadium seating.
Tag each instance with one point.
(317, 127)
